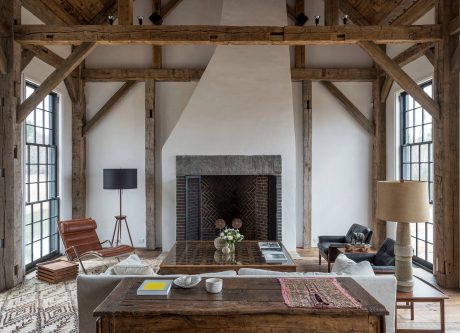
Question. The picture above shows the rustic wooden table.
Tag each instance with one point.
(194, 257)
(422, 293)
(244, 305)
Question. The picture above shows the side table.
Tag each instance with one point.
(422, 293)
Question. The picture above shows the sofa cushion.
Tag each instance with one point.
(346, 266)
(132, 266)
(386, 254)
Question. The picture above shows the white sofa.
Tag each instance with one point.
(93, 289)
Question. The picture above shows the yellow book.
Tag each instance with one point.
(155, 287)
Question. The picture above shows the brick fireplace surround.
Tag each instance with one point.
(228, 187)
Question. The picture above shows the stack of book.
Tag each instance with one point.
(272, 252)
(155, 288)
(57, 271)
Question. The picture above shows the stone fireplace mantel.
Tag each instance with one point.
(227, 165)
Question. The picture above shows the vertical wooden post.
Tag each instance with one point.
(307, 139)
(307, 161)
(125, 12)
(379, 170)
(150, 144)
(331, 12)
(11, 257)
(79, 150)
(446, 153)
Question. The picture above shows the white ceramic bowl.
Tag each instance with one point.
(214, 285)
(187, 281)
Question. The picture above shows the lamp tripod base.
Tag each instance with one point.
(117, 230)
(403, 258)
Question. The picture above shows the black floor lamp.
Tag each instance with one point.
(120, 179)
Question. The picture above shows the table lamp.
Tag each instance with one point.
(403, 202)
(120, 179)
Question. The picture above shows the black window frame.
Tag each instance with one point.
(404, 144)
(47, 159)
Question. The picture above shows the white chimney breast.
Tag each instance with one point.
(242, 106)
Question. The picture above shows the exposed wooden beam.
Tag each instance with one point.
(40, 10)
(223, 35)
(456, 59)
(446, 219)
(454, 26)
(290, 12)
(79, 150)
(75, 58)
(110, 8)
(169, 8)
(108, 106)
(350, 107)
(407, 56)
(65, 11)
(125, 12)
(379, 153)
(3, 62)
(429, 54)
(412, 14)
(355, 16)
(331, 12)
(307, 99)
(412, 53)
(26, 57)
(47, 56)
(299, 50)
(11, 145)
(403, 79)
(334, 74)
(186, 75)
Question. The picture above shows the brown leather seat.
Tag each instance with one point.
(80, 239)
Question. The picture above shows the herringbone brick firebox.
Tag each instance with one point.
(228, 187)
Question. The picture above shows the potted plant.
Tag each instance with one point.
(231, 237)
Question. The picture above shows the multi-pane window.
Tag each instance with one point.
(417, 164)
(40, 176)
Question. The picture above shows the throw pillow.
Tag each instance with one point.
(132, 266)
(345, 266)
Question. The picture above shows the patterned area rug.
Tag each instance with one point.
(37, 306)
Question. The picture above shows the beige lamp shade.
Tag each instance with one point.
(403, 201)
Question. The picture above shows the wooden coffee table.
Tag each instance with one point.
(244, 305)
(195, 257)
(422, 293)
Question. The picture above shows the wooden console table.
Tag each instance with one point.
(195, 257)
(244, 305)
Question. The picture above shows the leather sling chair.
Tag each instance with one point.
(81, 241)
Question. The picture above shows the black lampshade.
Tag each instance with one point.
(301, 19)
(156, 18)
(120, 179)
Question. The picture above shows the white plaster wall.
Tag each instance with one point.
(239, 109)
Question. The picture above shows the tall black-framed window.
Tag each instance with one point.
(41, 195)
(417, 164)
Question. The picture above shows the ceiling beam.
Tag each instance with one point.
(26, 57)
(186, 75)
(412, 14)
(111, 8)
(429, 54)
(42, 12)
(401, 77)
(350, 107)
(412, 53)
(169, 8)
(223, 35)
(108, 106)
(355, 16)
(290, 12)
(125, 12)
(52, 81)
(454, 26)
(331, 12)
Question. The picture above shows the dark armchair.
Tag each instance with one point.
(383, 261)
(327, 244)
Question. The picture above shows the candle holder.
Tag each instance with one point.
(317, 17)
(111, 19)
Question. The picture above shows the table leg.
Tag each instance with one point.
(412, 314)
(443, 324)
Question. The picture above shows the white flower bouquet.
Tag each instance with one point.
(231, 236)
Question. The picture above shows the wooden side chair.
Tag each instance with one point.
(81, 241)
